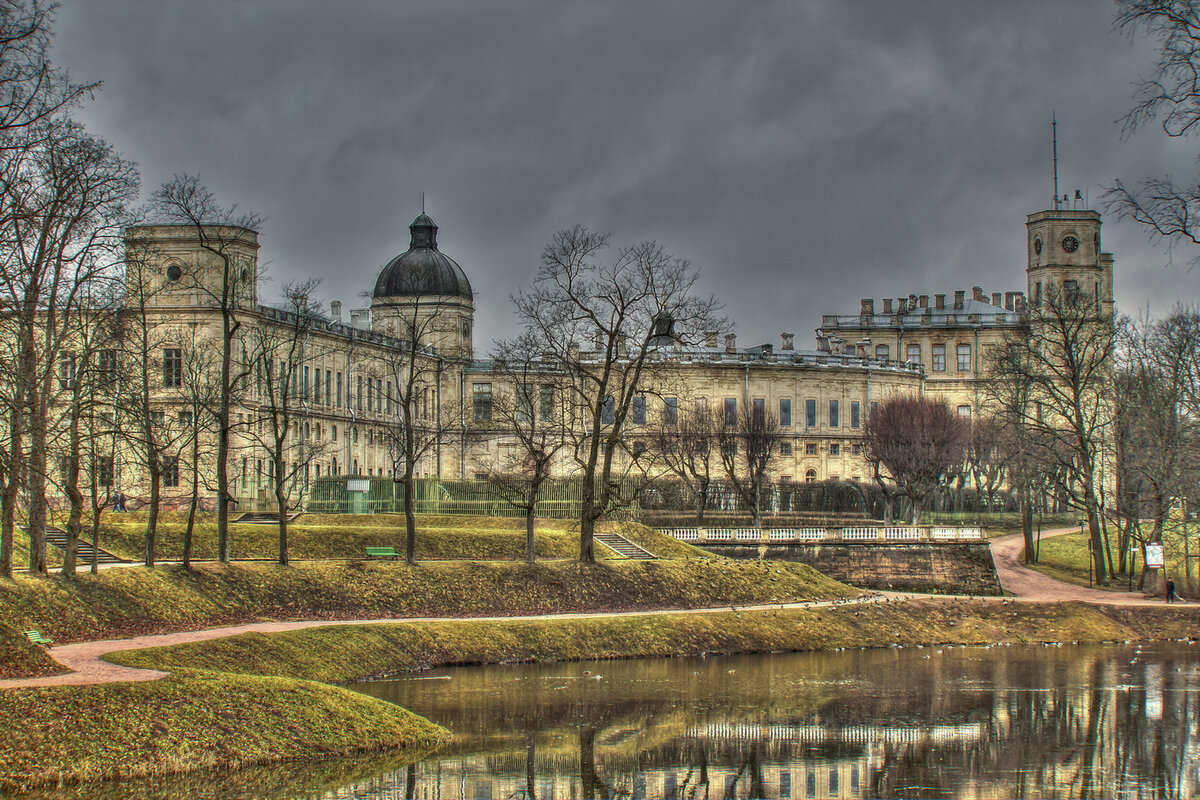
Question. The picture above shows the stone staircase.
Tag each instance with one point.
(623, 547)
(83, 549)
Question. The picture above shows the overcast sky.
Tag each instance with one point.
(801, 155)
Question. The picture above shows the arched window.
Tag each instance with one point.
(355, 430)
(333, 428)
(333, 468)
(356, 466)
(810, 476)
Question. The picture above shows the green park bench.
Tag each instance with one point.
(381, 552)
(37, 638)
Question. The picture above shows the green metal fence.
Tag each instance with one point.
(558, 499)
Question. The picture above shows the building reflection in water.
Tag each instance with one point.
(973, 723)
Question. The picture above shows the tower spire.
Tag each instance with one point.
(1054, 138)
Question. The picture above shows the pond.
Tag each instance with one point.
(1069, 721)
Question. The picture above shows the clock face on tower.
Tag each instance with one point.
(1070, 244)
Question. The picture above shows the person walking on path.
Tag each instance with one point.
(1170, 590)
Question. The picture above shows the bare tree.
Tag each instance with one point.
(227, 236)
(281, 345)
(918, 441)
(421, 372)
(1170, 94)
(1066, 358)
(685, 442)
(63, 207)
(628, 308)
(747, 442)
(530, 420)
(199, 397)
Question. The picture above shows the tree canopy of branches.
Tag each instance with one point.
(626, 308)
(531, 411)
(1065, 361)
(684, 441)
(917, 442)
(1170, 94)
(747, 444)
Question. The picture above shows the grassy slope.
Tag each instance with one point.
(21, 658)
(189, 721)
(342, 536)
(136, 600)
(345, 653)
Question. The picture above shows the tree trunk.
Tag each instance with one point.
(155, 502)
(191, 520)
(1027, 524)
(410, 520)
(37, 499)
(281, 504)
(587, 519)
(530, 553)
(701, 502)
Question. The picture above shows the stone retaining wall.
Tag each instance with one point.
(958, 568)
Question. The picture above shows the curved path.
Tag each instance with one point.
(85, 657)
(1032, 586)
(1022, 583)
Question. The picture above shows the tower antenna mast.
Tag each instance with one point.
(1054, 137)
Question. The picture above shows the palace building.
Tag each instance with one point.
(348, 371)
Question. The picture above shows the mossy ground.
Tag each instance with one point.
(1066, 558)
(343, 654)
(191, 720)
(136, 600)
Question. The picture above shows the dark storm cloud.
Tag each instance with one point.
(802, 155)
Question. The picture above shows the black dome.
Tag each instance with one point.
(423, 269)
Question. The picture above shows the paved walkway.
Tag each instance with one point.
(1032, 586)
(1025, 584)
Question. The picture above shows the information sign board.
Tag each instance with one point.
(1154, 556)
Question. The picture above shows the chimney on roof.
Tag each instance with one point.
(924, 301)
(787, 340)
(864, 347)
(977, 294)
(1010, 300)
(996, 297)
(710, 338)
(939, 302)
(887, 305)
(731, 343)
(902, 305)
(335, 310)
(868, 307)
(822, 342)
(959, 296)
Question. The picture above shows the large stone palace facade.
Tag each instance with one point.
(348, 389)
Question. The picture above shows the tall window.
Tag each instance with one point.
(833, 414)
(370, 394)
(810, 413)
(108, 368)
(66, 371)
(639, 410)
(883, 352)
(939, 358)
(316, 395)
(358, 397)
(855, 414)
(730, 411)
(524, 401)
(913, 353)
(170, 471)
(670, 411)
(339, 390)
(481, 395)
(964, 358)
(104, 471)
(758, 412)
(327, 382)
(546, 402)
(608, 411)
(785, 411)
(304, 386)
(1070, 292)
(388, 397)
(172, 367)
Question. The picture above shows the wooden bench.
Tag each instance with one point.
(381, 552)
(37, 638)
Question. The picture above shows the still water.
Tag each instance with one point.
(1087, 721)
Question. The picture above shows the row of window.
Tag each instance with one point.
(937, 352)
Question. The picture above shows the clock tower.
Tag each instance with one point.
(1065, 259)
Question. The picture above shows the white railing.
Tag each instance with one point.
(860, 533)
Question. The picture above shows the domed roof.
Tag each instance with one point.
(423, 269)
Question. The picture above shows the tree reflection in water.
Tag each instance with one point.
(1092, 721)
